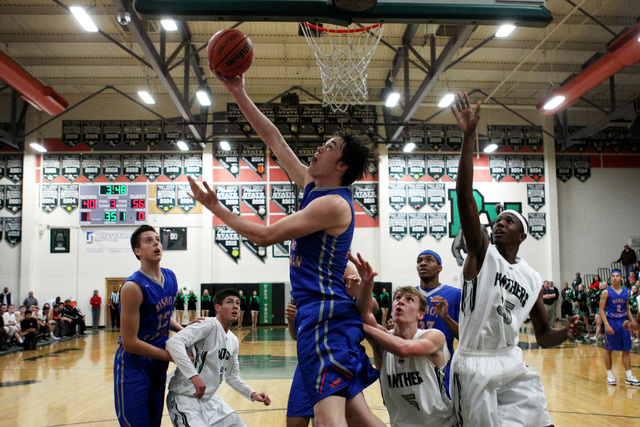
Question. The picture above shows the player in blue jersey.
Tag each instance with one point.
(614, 312)
(141, 361)
(443, 302)
(329, 328)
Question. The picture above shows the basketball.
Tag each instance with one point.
(230, 52)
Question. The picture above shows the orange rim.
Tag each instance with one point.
(331, 30)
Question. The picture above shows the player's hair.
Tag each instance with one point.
(28, 312)
(413, 291)
(224, 293)
(359, 154)
(135, 237)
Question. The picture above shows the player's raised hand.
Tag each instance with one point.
(353, 285)
(232, 84)
(365, 271)
(261, 397)
(199, 385)
(207, 196)
(575, 327)
(466, 117)
(440, 305)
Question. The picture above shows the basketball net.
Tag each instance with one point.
(343, 56)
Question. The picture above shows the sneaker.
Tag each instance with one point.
(611, 381)
(55, 337)
(632, 380)
(636, 340)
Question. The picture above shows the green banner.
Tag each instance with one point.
(266, 304)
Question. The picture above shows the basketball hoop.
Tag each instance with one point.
(343, 56)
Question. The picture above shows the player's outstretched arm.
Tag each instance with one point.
(364, 299)
(430, 344)
(242, 388)
(546, 336)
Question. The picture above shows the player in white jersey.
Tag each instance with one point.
(192, 398)
(490, 383)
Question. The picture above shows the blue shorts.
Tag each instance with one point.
(298, 404)
(331, 359)
(621, 338)
(139, 384)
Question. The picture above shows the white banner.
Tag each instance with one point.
(114, 241)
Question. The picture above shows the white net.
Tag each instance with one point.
(343, 56)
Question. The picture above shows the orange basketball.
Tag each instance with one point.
(230, 52)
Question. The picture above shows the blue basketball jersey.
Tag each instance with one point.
(617, 303)
(431, 320)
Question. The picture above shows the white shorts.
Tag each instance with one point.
(495, 388)
(10, 330)
(187, 411)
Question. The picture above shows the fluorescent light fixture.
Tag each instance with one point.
(84, 19)
(183, 146)
(392, 100)
(446, 100)
(203, 98)
(505, 30)
(410, 146)
(169, 25)
(490, 148)
(146, 97)
(554, 102)
(225, 145)
(38, 147)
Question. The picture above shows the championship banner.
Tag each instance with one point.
(436, 197)
(288, 114)
(452, 166)
(397, 166)
(266, 304)
(582, 167)
(538, 224)
(417, 195)
(14, 168)
(313, 114)
(533, 137)
(2, 195)
(1, 227)
(152, 132)
(564, 168)
(366, 196)
(454, 137)
(132, 130)
(13, 230)
(269, 110)
(152, 166)
(417, 225)
(498, 167)
(234, 114)
(91, 132)
(438, 225)
(111, 166)
(435, 136)
(257, 250)
(13, 198)
(616, 138)
(517, 167)
(50, 166)
(364, 114)
(515, 137)
(228, 240)
(91, 164)
(535, 167)
(281, 249)
(497, 135)
(69, 195)
(435, 167)
(535, 196)
(397, 196)
(112, 132)
(193, 165)
(229, 159)
(229, 196)
(3, 165)
(132, 166)
(165, 197)
(71, 132)
(598, 140)
(49, 199)
(185, 202)
(305, 152)
(416, 166)
(254, 157)
(284, 197)
(254, 196)
(415, 134)
(172, 130)
(172, 165)
(398, 225)
(71, 166)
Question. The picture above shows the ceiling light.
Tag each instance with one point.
(490, 148)
(84, 19)
(446, 100)
(203, 98)
(38, 147)
(225, 145)
(169, 25)
(183, 146)
(410, 146)
(505, 30)
(146, 97)
(392, 99)
(553, 102)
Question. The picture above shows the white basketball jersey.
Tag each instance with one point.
(496, 303)
(413, 390)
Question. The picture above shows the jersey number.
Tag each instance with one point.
(505, 311)
(426, 325)
(411, 398)
(163, 320)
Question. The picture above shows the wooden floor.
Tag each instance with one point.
(71, 382)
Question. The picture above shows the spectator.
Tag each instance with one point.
(77, 318)
(114, 300)
(205, 304)
(29, 331)
(243, 308)
(254, 304)
(576, 282)
(628, 260)
(636, 269)
(44, 327)
(596, 282)
(549, 297)
(583, 308)
(59, 324)
(3, 336)
(567, 307)
(96, 303)
(5, 297)
(631, 280)
(30, 300)
(178, 306)
(11, 326)
(192, 299)
(20, 314)
(54, 302)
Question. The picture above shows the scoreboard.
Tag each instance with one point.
(113, 204)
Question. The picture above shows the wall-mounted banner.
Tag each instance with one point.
(259, 251)
(416, 166)
(13, 230)
(69, 195)
(438, 225)
(229, 196)
(397, 166)
(59, 241)
(436, 197)
(305, 152)
(172, 165)
(50, 166)
(71, 166)
(132, 166)
(13, 198)
(517, 167)
(284, 197)
(152, 166)
(49, 199)
(2, 194)
(435, 167)
(533, 137)
(498, 167)
(165, 197)
(254, 196)
(366, 196)
(111, 241)
(14, 168)
(537, 224)
(598, 140)
(515, 137)
(497, 135)
(535, 196)
(454, 136)
(3, 165)
(616, 138)
(229, 159)
(435, 136)
(281, 249)
(91, 132)
(535, 167)
(313, 114)
(397, 225)
(582, 167)
(111, 166)
(91, 166)
(397, 196)
(152, 132)
(193, 165)
(452, 166)
(234, 114)
(417, 195)
(112, 132)
(185, 202)
(564, 168)
(132, 132)
(364, 114)
(71, 132)
(417, 225)
(416, 135)
(229, 241)
(288, 114)
(172, 130)
(253, 155)
(1, 228)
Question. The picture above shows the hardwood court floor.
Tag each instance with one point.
(71, 382)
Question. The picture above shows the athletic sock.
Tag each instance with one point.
(628, 373)
(610, 374)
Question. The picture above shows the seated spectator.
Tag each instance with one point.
(20, 313)
(596, 282)
(66, 322)
(29, 331)
(30, 300)
(53, 302)
(45, 319)
(58, 324)
(42, 325)
(636, 269)
(631, 280)
(3, 336)
(77, 318)
(11, 326)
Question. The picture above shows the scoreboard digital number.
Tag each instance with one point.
(113, 204)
